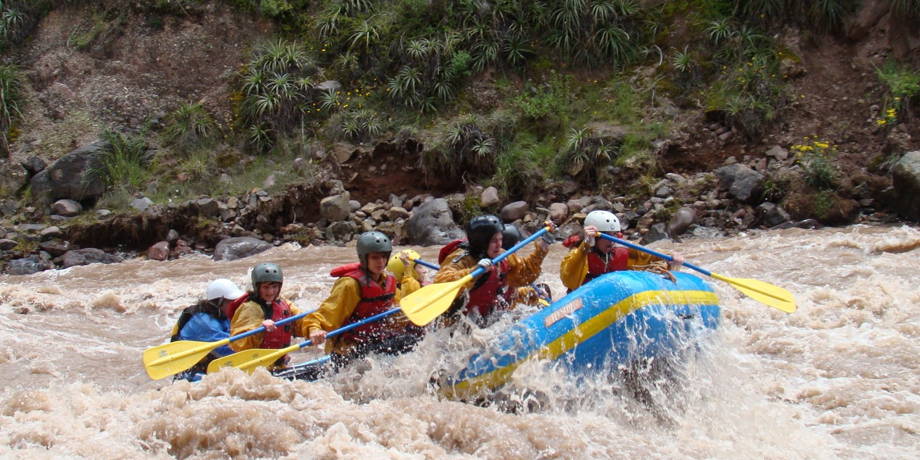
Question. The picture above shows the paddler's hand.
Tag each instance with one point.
(548, 238)
(485, 264)
(318, 336)
(404, 258)
(591, 235)
(677, 262)
(269, 325)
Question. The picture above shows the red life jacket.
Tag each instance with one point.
(486, 290)
(618, 260)
(447, 250)
(281, 336)
(375, 299)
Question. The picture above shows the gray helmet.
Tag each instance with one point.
(371, 242)
(266, 272)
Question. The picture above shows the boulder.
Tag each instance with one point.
(159, 251)
(680, 221)
(335, 208)
(13, 177)
(28, 265)
(655, 233)
(905, 178)
(66, 208)
(239, 247)
(741, 181)
(88, 256)
(432, 224)
(72, 175)
(514, 211)
(558, 212)
(489, 197)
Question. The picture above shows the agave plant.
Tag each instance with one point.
(364, 34)
(719, 30)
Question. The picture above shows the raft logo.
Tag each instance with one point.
(562, 312)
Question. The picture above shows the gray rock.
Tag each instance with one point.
(88, 256)
(172, 236)
(239, 247)
(66, 207)
(342, 231)
(354, 205)
(335, 208)
(489, 197)
(141, 204)
(558, 212)
(33, 228)
(778, 152)
(7, 244)
(72, 175)
(397, 212)
(680, 221)
(432, 224)
(34, 165)
(656, 232)
(13, 177)
(741, 181)
(51, 233)
(27, 266)
(772, 214)
(8, 207)
(905, 178)
(514, 211)
(208, 207)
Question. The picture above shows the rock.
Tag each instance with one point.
(397, 212)
(55, 248)
(28, 266)
(354, 206)
(655, 233)
(342, 152)
(681, 220)
(51, 233)
(172, 236)
(88, 256)
(905, 179)
(72, 175)
(239, 247)
(489, 197)
(66, 208)
(741, 181)
(432, 224)
(341, 231)
(34, 165)
(13, 177)
(141, 204)
(777, 152)
(7, 244)
(772, 214)
(558, 212)
(9, 207)
(299, 164)
(335, 208)
(208, 207)
(159, 251)
(514, 211)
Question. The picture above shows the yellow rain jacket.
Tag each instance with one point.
(574, 265)
(522, 271)
(340, 305)
(249, 316)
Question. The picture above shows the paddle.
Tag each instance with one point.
(249, 360)
(174, 357)
(760, 291)
(426, 264)
(426, 304)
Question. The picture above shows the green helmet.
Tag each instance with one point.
(371, 242)
(266, 272)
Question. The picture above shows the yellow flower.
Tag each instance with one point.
(880, 122)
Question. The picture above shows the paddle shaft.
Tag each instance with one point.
(652, 252)
(781, 302)
(272, 357)
(426, 264)
(255, 331)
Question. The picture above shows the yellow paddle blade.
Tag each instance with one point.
(763, 292)
(175, 357)
(249, 360)
(426, 304)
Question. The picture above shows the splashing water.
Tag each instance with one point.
(836, 379)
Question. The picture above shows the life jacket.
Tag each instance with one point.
(488, 290)
(281, 336)
(447, 250)
(235, 305)
(184, 318)
(598, 265)
(375, 299)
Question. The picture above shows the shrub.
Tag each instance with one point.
(189, 125)
(10, 97)
(817, 161)
(125, 165)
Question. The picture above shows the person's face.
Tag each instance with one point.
(376, 263)
(604, 245)
(269, 291)
(225, 306)
(495, 246)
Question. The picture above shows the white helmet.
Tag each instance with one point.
(605, 221)
(223, 288)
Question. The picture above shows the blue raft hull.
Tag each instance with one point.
(612, 321)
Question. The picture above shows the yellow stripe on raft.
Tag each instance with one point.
(583, 332)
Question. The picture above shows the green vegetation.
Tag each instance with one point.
(10, 98)
(508, 93)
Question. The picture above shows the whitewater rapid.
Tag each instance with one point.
(839, 378)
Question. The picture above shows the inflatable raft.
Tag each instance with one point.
(614, 320)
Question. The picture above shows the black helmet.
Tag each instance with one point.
(371, 242)
(510, 236)
(480, 230)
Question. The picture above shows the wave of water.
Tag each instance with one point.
(836, 379)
